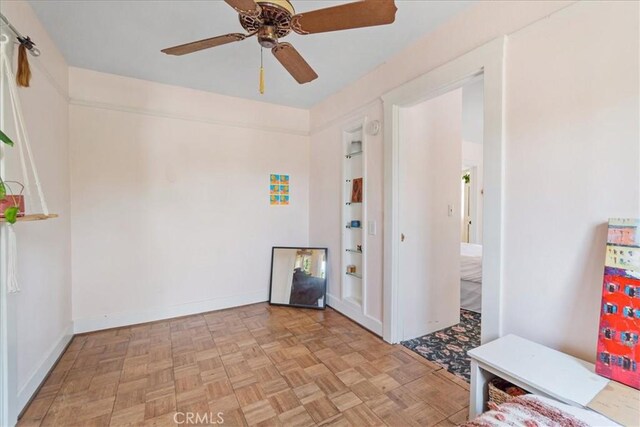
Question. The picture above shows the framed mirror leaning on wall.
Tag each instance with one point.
(299, 277)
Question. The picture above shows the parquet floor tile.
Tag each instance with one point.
(255, 365)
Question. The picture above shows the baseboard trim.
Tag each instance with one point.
(116, 320)
(37, 377)
(374, 325)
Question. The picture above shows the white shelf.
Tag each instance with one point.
(351, 155)
(31, 217)
(353, 288)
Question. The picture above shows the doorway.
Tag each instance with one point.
(486, 61)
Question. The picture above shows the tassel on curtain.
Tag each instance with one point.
(23, 75)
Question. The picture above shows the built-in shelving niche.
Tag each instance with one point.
(353, 235)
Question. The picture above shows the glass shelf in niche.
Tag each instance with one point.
(355, 228)
(354, 251)
(353, 203)
(356, 275)
(355, 153)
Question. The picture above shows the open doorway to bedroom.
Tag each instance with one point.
(486, 63)
(440, 217)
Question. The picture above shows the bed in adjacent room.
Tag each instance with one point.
(470, 277)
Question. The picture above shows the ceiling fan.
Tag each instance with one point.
(272, 20)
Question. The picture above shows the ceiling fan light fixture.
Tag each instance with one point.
(276, 14)
(282, 4)
(267, 36)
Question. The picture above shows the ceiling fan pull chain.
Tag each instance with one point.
(261, 72)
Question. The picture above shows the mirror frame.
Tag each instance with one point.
(326, 279)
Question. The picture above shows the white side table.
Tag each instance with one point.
(533, 367)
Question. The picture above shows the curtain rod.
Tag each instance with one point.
(25, 41)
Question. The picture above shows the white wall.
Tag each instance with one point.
(573, 161)
(171, 211)
(44, 248)
(572, 151)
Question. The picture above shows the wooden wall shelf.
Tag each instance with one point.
(32, 217)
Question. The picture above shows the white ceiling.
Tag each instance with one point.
(125, 38)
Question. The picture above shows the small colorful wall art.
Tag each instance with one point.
(279, 189)
(618, 347)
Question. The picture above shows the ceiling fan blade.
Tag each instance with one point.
(183, 49)
(247, 7)
(364, 13)
(294, 63)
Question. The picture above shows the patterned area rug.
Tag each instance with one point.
(448, 347)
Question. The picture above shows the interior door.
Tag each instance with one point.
(430, 194)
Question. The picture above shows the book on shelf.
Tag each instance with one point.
(356, 190)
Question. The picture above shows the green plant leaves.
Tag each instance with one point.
(4, 138)
(3, 191)
(11, 214)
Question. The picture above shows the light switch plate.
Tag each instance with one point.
(372, 228)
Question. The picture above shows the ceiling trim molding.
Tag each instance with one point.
(344, 117)
(185, 117)
(49, 77)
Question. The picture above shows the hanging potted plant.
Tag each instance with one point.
(11, 204)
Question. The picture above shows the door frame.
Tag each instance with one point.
(488, 61)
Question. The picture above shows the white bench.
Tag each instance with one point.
(533, 367)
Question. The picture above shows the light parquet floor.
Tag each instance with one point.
(257, 365)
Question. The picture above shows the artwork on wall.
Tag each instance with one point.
(356, 191)
(279, 189)
(618, 336)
